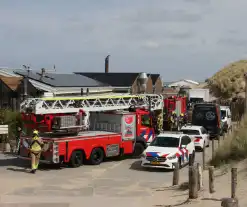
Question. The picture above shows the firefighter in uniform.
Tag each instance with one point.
(182, 118)
(35, 150)
(173, 120)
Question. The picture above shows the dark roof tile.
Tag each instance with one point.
(154, 77)
(117, 79)
(113, 79)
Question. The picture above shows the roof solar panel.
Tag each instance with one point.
(63, 80)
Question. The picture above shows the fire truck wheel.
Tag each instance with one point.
(139, 148)
(76, 159)
(97, 156)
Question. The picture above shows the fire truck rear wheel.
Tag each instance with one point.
(97, 156)
(76, 159)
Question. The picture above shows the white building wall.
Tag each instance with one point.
(183, 83)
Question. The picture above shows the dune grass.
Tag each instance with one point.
(233, 147)
(229, 81)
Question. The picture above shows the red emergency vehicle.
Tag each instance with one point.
(175, 104)
(111, 134)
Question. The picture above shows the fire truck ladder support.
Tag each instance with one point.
(91, 103)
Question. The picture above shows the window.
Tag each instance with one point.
(190, 132)
(185, 140)
(146, 120)
(223, 114)
(165, 142)
(205, 116)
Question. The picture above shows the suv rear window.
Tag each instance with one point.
(205, 115)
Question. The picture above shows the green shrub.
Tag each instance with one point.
(13, 120)
(233, 147)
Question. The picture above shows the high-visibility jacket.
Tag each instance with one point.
(36, 144)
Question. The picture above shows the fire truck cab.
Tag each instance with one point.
(111, 134)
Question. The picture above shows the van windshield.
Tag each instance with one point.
(205, 116)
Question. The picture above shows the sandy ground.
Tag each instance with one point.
(222, 190)
(113, 183)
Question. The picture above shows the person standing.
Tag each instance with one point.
(35, 150)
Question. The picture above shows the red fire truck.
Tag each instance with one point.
(111, 133)
(175, 104)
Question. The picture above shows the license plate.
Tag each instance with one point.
(155, 163)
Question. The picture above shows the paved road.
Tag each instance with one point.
(110, 182)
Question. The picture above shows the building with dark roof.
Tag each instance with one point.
(65, 84)
(63, 80)
(12, 88)
(123, 82)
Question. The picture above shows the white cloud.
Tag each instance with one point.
(191, 38)
(151, 45)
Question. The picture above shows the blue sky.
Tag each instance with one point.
(177, 38)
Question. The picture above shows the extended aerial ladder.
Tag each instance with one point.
(89, 103)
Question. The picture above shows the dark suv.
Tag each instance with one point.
(208, 116)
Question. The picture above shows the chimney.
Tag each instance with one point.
(107, 64)
(42, 75)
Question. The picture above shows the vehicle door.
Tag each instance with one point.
(186, 148)
(146, 130)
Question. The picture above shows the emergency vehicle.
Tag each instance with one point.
(175, 104)
(111, 133)
(167, 149)
(198, 134)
